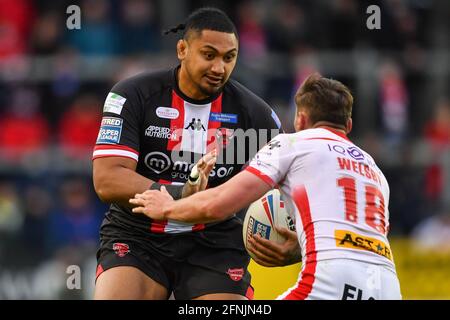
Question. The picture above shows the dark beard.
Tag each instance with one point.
(209, 91)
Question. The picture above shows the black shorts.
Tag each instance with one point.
(190, 265)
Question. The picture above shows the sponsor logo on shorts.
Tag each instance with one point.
(121, 249)
(236, 274)
(114, 103)
(353, 293)
(348, 239)
(110, 130)
(167, 113)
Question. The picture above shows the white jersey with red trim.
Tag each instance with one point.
(334, 191)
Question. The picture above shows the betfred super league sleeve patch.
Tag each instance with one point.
(110, 130)
(114, 103)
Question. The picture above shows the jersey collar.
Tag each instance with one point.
(338, 133)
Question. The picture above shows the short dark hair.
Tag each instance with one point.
(206, 18)
(325, 100)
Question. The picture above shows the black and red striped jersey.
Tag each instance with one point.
(148, 119)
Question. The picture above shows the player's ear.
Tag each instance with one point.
(304, 120)
(301, 120)
(297, 120)
(181, 49)
(349, 125)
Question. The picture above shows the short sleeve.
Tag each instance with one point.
(272, 162)
(119, 129)
(268, 119)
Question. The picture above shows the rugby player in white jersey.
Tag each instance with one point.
(333, 190)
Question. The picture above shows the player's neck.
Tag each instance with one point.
(330, 126)
(187, 86)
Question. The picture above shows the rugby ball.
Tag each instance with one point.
(263, 215)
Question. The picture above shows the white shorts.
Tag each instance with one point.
(345, 279)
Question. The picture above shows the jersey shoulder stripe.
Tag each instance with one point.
(101, 151)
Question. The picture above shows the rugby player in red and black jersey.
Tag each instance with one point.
(155, 127)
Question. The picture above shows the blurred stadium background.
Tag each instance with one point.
(53, 82)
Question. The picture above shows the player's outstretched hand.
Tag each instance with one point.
(272, 254)
(201, 172)
(151, 203)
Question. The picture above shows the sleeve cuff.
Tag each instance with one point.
(262, 176)
(104, 150)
